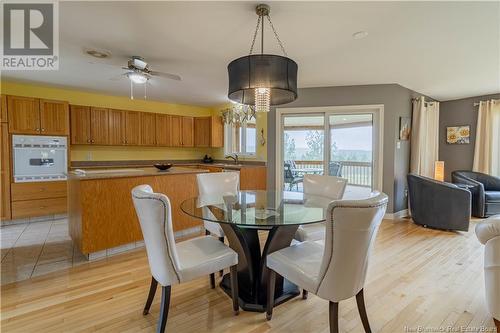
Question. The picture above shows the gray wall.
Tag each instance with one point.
(455, 113)
(397, 103)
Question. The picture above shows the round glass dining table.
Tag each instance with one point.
(241, 216)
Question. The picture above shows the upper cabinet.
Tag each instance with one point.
(80, 124)
(23, 114)
(29, 115)
(216, 132)
(202, 131)
(132, 128)
(89, 125)
(116, 130)
(163, 128)
(148, 129)
(187, 132)
(208, 132)
(54, 117)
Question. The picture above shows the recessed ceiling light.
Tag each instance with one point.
(98, 54)
(359, 34)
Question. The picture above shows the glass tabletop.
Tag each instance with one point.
(258, 208)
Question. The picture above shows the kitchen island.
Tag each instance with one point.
(101, 214)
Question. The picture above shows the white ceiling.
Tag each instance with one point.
(446, 50)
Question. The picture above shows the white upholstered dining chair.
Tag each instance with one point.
(172, 263)
(325, 186)
(488, 233)
(336, 270)
(223, 183)
(216, 183)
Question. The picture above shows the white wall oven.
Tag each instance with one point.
(39, 158)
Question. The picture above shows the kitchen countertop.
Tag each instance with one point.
(176, 163)
(123, 172)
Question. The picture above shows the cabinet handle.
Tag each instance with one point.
(88, 140)
(92, 141)
(43, 129)
(37, 129)
(42, 189)
(42, 207)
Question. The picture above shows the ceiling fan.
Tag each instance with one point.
(139, 71)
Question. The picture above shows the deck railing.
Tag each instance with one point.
(357, 173)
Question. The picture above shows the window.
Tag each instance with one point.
(240, 139)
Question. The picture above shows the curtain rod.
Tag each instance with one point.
(494, 101)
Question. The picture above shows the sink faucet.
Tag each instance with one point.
(234, 158)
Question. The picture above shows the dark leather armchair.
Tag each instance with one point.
(485, 191)
(438, 204)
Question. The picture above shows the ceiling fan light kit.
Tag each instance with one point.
(262, 79)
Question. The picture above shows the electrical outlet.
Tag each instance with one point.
(89, 156)
(406, 192)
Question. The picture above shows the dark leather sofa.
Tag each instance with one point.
(439, 205)
(485, 191)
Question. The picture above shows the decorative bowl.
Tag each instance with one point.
(163, 166)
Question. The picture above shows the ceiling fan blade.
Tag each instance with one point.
(166, 75)
(118, 77)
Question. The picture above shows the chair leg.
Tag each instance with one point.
(270, 294)
(151, 295)
(234, 289)
(304, 294)
(207, 232)
(221, 273)
(212, 281)
(165, 304)
(360, 300)
(334, 317)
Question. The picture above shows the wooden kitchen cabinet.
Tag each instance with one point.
(38, 198)
(89, 125)
(253, 178)
(163, 128)
(187, 131)
(148, 129)
(176, 131)
(216, 132)
(116, 130)
(29, 115)
(133, 128)
(4, 173)
(80, 124)
(3, 109)
(208, 132)
(54, 117)
(99, 126)
(202, 131)
(23, 114)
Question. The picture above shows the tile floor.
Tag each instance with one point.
(36, 247)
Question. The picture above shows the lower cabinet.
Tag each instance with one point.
(38, 199)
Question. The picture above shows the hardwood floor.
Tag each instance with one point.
(418, 278)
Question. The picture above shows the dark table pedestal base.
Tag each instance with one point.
(289, 291)
(252, 270)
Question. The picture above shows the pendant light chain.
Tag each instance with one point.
(255, 34)
(277, 37)
(260, 21)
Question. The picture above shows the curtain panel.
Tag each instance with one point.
(487, 146)
(424, 137)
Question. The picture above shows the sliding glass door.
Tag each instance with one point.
(303, 148)
(350, 149)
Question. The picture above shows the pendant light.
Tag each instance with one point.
(262, 80)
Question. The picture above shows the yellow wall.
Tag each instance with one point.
(110, 153)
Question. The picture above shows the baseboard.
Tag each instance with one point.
(397, 215)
